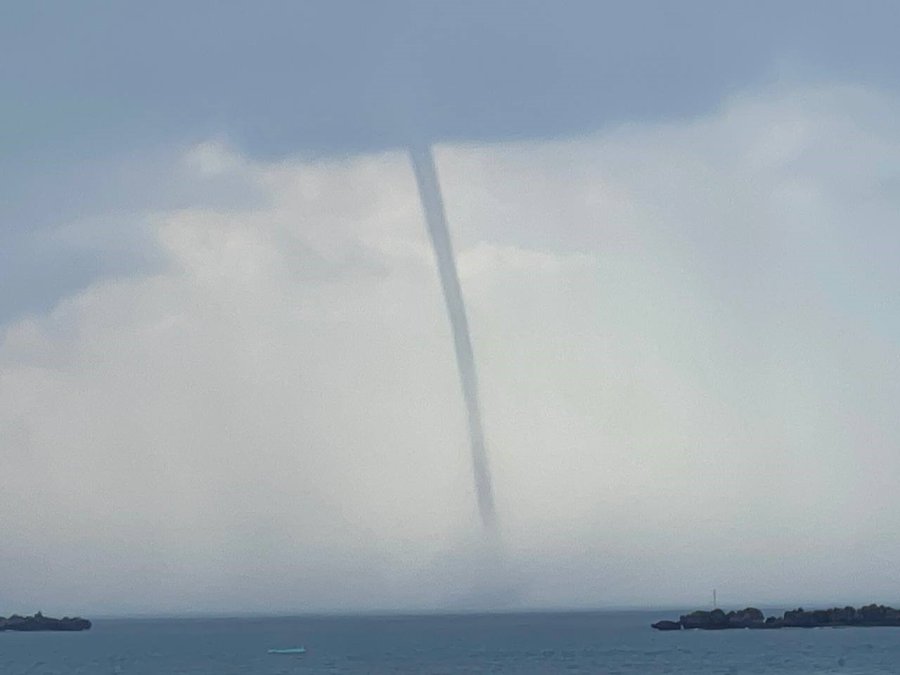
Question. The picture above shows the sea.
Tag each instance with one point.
(620, 643)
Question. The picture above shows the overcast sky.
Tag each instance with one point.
(226, 375)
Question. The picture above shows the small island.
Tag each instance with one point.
(870, 615)
(41, 622)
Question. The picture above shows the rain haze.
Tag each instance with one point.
(227, 374)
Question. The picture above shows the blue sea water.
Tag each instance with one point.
(603, 642)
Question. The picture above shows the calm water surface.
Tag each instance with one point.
(619, 642)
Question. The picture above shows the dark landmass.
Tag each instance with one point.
(41, 622)
(870, 615)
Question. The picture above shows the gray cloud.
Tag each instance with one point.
(687, 340)
(92, 99)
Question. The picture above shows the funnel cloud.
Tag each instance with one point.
(436, 220)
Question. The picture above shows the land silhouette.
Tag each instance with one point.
(751, 617)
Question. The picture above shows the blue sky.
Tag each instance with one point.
(220, 319)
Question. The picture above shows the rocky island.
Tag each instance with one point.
(870, 615)
(41, 622)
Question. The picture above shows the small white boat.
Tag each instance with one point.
(292, 650)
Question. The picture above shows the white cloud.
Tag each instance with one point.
(686, 338)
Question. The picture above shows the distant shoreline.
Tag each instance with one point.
(867, 616)
(39, 622)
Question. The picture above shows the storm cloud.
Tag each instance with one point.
(688, 346)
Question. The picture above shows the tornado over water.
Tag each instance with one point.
(435, 218)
